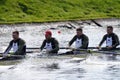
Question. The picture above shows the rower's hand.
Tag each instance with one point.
(48, 51)
(72, 48)
(69, 46)
(6, 55)
(110, 47)
(40, 50)
(99, 48)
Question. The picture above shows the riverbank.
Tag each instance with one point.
(35, 11)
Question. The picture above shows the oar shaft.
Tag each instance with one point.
(59, 48)
(70, 48)
(44, 48)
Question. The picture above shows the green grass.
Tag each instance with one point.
(19, 11)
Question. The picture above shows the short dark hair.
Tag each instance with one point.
(79, 29)
(17, 32)
(110, 27)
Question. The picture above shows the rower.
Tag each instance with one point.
(80, 39)
(112, 40)
(16, 46)
(50, 44)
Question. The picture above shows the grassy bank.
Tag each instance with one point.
(18, 11)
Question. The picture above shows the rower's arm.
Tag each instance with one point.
(85, 43)
(56, 47)
(103, 39)
(73, 39)
(8, 48)
(20, 48)
(43, 45)
(117, 41)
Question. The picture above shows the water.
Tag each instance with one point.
(59, 68)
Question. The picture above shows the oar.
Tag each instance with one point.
(32, 51)
(44, 48)
(36, 48)
(59, 48)
(70, 48)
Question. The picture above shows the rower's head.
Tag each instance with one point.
(15, 35)
(109, 29)
(79, 31)
(48, 34)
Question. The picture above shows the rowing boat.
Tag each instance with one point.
(83, 54)
(62, 56)
(11, 60)
(11, 57)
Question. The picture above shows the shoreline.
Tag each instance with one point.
(59, 21)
